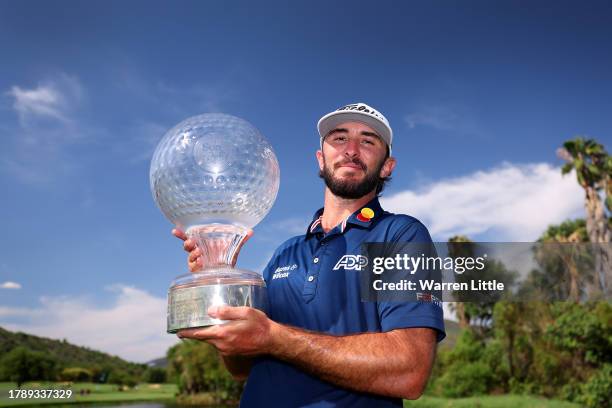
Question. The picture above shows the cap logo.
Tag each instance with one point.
(365, 215)
(360, 108)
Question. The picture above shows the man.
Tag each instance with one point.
(321, 345)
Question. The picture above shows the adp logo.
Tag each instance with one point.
(352, 262)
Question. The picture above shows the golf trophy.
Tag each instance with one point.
(215, 177)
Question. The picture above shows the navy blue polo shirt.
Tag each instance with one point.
(305, 291)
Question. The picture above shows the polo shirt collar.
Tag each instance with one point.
(365, 217)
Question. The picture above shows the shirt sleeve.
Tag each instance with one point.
(425, 312)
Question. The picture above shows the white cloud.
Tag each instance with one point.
(44, 101)
(51, 99)
(49, 123)
(133, 326)
(507, 203)
(10, 285)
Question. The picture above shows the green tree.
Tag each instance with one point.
(552, 349)
(117, 377)
(566, 263)
(122, 378)
(596, 392)
(75, 374)
(21, 365)
(460, 245)
(567, 231)
(584, 331)
(472, 367)
(593, 167)
(475, 309)
(197, 368)
(155, 375)
(519, 327)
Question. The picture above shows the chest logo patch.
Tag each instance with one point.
(355, 262)
(283, 271)
(365, 215)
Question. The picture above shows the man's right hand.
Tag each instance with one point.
(194, 260)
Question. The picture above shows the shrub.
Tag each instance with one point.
(463, 380)
(468, 368)
(597, 390)
(21, 365)
(155, 375)
(75, 374)
(197, 368)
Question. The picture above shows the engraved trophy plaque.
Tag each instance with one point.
(214, 176)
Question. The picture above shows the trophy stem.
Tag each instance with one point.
(219, 243)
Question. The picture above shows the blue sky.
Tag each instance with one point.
(479, 94)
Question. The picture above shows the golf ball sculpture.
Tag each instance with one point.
(215, 177)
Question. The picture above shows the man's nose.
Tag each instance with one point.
(352, 148)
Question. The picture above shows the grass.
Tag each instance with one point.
(489, 401)
(98, 393)
(166, 392)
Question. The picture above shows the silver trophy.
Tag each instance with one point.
(214, 176)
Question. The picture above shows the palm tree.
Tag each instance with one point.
(593, 168)
(474, 309)
(564, 268)
(456, 244)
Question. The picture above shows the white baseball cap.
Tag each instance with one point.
(357, 112)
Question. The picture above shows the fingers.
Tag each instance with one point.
(189, 245)
(179, 234)
(200, 333)
(194, 255)
(229, 312)
(217, 331)
(194, 261)
(196, 264)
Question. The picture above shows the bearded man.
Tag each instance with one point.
(320, 345)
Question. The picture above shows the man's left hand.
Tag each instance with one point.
(247, 331)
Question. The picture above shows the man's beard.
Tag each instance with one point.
(349, 189)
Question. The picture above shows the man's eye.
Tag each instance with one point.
(369, 142)
(340, 138)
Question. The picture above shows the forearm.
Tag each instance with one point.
(238, 366)
(396, 363)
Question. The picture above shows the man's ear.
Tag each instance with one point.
(319, 155)
(387, 168)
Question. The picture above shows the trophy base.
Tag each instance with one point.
(191, 295)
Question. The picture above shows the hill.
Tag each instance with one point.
(161, 362)
(67, 354)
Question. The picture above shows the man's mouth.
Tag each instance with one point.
(352, 165)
